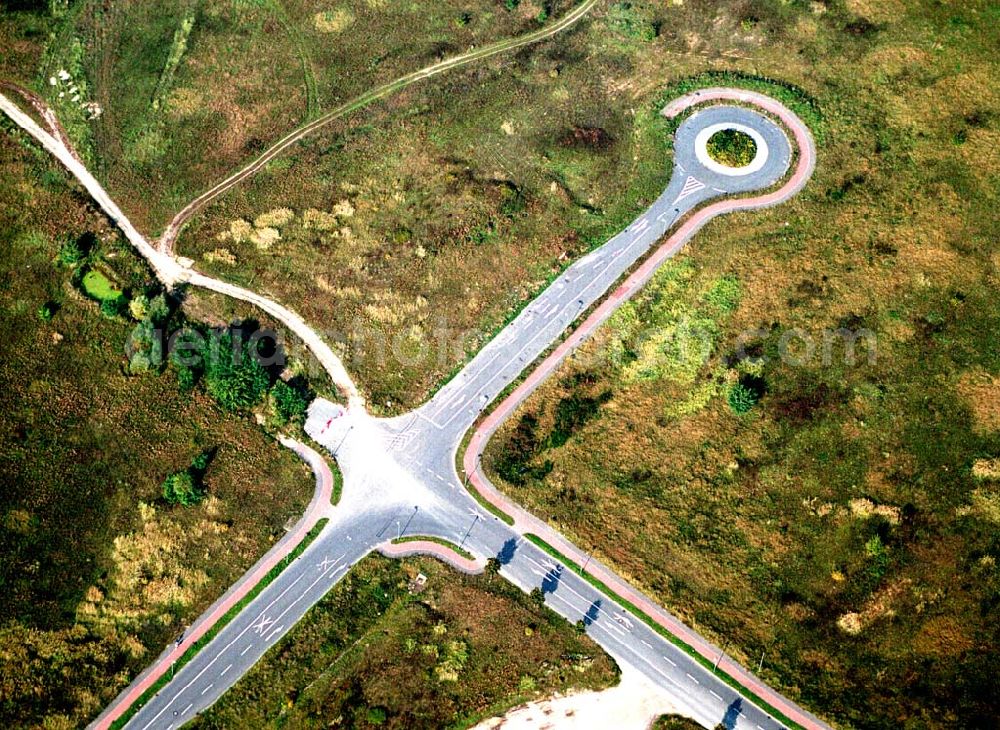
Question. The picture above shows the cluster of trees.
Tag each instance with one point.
(232, 369)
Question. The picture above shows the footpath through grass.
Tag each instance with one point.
(221, 623)
(649, 621)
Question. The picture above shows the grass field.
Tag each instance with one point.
(831, 520)
(191, 90)
(380, 652)
(98, 572)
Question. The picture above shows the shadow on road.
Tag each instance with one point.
(732, 713)
(507, 551)
(551, 580)
(593, 613)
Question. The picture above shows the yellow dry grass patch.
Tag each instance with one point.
(962, 94)
(333, 21)
(149, 576)
(981, 152)
(877, 10)
(184, 102)
(986, 469)
(274, 218)
(879, 606)
(894, 60)
(865, 508)
(981, 392)
(942, 636)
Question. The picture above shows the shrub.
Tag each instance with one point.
(186, 487)
(114, 307)
(288, 403)
(180, 488)
(71, 252)
(233, 376)
(47, 310)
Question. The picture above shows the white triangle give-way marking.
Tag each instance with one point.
(691, 185)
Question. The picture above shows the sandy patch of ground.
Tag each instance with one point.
(631, 705)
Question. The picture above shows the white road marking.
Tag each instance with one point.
(206, 689)
(246, 650)
(716, 696)
(646, 643)
(692, 678)
(274, 633)
(184, 711)
(223, 672)
(672, 662)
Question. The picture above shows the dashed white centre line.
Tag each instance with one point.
(691, 678)
(672, 662)
(646, 643)
(228, 667)
(207, 688)
(716, 696)
(246, 650)
(184, 711)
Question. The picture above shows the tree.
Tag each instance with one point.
(233, 376)
(288, 403)
(493, 566)
(537, 596)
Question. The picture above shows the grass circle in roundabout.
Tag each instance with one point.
(731, 149)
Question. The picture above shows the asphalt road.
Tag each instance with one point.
(400, 477)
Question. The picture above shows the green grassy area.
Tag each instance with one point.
(99, 572)
(96, 285)
(829, 519)
(193, 650)
(381, 651)
(413, 244)
(439, 540)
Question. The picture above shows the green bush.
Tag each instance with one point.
(114, 307)
(47, 310)
(288, 403)
(741, 398)
(71, 253)
(187, 487)
(180, 488)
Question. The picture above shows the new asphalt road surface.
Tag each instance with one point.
(400, 477)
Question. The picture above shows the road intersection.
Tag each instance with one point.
(400, 476)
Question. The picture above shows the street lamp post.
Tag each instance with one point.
(721, 654)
